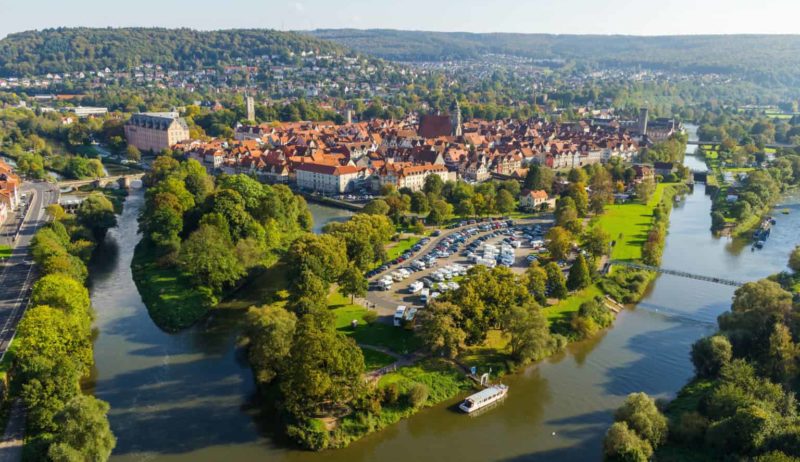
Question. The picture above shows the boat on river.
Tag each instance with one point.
(484, 398)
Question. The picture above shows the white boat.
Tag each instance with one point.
(484, 398)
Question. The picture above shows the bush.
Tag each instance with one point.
(390, 393)
(370, 317)
(623, 444)
(690, 428)
(418, 395)
(310, 434)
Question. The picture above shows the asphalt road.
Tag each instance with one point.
(17, 273)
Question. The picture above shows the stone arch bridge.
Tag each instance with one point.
(124, 181)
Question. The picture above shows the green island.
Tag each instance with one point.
(225, 243)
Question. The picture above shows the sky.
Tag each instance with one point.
(630, 17)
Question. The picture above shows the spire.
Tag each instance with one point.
(455, 118)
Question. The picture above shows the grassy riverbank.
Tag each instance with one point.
(171, 297)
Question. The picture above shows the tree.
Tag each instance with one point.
(530, 333)
(556, 283)
(622, 444)
(602, 187)
(323, 255)
(645, 189)
(270, 331)
(353, 283)
(326, 370)
(579, 276)
(56, 212)
(208, 255)
(639, 411)
(536, 282)
(794, 260)
(83, 432)
(577, 175)
(419, 202)
(47, 332)
(418, 394)
(65, 293)
(597, 240)
(505, 202)
(376, 207)
(559, 242)
(439, 329)
(710, 354)
(464, 208)
(96, 212)
(433, 185)
(539, 178)
(577, 191)
(441, 212)
(781, 364)
(133, 153)
(48, 384)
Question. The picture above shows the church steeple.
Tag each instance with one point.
(455, 119)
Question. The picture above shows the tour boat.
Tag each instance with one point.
(484, 398)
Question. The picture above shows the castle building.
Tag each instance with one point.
(154, 131)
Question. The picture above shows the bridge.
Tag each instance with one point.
(716, 144)
(683, 274)
(123, 180)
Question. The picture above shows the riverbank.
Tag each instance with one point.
(494, 354)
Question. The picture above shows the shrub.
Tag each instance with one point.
(370, 317)
(390, 393)
(418, 395)
(310, 434)
(690, 428)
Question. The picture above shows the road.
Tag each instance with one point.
(17, 273)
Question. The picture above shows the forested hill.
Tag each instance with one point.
(768, 59)
(81, 49)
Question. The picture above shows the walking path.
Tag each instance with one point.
(11, 445)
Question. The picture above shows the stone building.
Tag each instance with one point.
(154, 131)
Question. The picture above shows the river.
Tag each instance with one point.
(189, 396)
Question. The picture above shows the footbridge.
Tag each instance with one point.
(123, 180)
(683, 274)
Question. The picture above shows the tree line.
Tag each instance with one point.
(742, 400)
(53, 345)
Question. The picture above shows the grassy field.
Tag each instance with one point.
(563, 310)
(374, 359)
(266, 287)
(379, 334)
(628, 224)
(401, 247)
(5, 251)
(169, 294)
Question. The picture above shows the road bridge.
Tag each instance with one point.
(683, 274)
(123, 180)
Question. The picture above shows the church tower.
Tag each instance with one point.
(455, 119)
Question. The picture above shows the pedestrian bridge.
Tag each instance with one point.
(683, 274)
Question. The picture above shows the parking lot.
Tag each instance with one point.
(463, 248)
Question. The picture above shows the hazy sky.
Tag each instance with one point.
(636, 17)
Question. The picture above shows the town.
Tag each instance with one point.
(376, 244)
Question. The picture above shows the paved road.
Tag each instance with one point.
(17, 273)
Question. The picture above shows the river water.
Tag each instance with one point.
(188, 397)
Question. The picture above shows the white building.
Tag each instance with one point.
(328, 179)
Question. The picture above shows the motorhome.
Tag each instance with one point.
(398, 315)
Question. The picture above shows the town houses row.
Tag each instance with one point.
(9, 191)
(365, 156)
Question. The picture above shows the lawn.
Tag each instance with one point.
(379, 334)
(402, 246)
(562, 311)
(443, 379)
(493, 354)
(5, 251)
(628, 224)
(374, 359)
(170, 295)
(266, 287)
